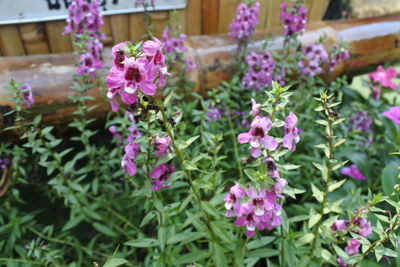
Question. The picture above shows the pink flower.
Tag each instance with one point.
(128, 165)
(365, 230)
(27, 96)
(294, 18)
(291, 137)
(384, 77)
(272, 169)
(353, 172)
(114, 131)
(242, 26)
(340, 225)
(352, 247)
(232, 199)
(394, 114)
(341, 262)
(163, 145)
(118, 55)
(255, 108)
(258, 136)
(160, 174)
(88, 64)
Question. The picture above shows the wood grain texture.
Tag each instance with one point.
(10, 41)
(34, 38)
(193, 17)
(120, 28)
(106, 28)
(160, 21)
(210, 14)
(59, 43)
(137, 28)
(317, 9)
(273, 10)
(263, 15)
(179, 19)
(227, 13)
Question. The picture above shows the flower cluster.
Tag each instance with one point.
(394, 114)
(358, 224)
(336, 56)
(360, 121)
(161, 173)
(382, 78)
(27, 96)
(174, 45)
(258, 136)
(114, 131)
(3, 164)
(214, 113)
(242, 26)
(315, 57)
(353, 172)
(253, 208)
(260, 71)
(294, 18)
(128, 162)
(84, 16)
(135, 71)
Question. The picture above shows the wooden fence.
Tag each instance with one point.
(199, 17)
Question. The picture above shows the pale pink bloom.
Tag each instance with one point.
(163, 145)
(128, 161)
(352, 247)
(366, 230)
(114, 131)
(255, 108)
(353, 172)
(394, 114)
(340, 225)
(291, 137)
(258, 136)
(384, 77)
(341, 262)
(27, 96)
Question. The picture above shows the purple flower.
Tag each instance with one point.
(384, 77)
(341, 262)
(27, 96)
(353, 172)
(360, 121)
(340, 225)
(255, 108)
(337, 55)
(366, 230)
(88, 64)
(232, 199)
(394, 114)
(260, 70)
(163, 145)
(114, 131)
(352, 247)
(214, 113)
(242, 26)
(173, 44)
(128, 161)
(316, 56)
(160, 174)
(4, 162)
(258, 136)
(291, 137)
(133, 129)
(294, 18)
(190, 65)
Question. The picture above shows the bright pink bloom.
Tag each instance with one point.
(352, 247)
(341, 262)
(163, 145)
(258, 136)
(255, 108)
(232, 199)
(384, 77)
(119, 54)
(160, 174)
(340, 225)
(291, 137)
(394, 114)
(88, 65)
(353, 172)
(27, 96)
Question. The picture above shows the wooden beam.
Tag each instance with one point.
(10, 41)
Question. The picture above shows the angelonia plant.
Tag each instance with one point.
(275, 167)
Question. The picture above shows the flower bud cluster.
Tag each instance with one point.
(242, 26)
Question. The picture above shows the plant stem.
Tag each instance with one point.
(235, 147)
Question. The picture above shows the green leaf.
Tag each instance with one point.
(314, 219)
(305, 239)
(318, 194)
(184, 144)
(168, 98)
(389, 177)
(262, 253)
(142, 243)
(149, 216)
(262, 242)
(335, 185)
(193, 257)
(218, 255)
(185, 237)
(104, 229)
(221, 232)
(115, 262)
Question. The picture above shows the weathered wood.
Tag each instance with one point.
(106, 28)
(193, 17)
(10, 41)
(226, 14)
(136, 27)
(34, 37)
(273, 10)
(372, 41)
(120, 28)
(317, 9)
(160, 21)
(59, 43)
(210, 12)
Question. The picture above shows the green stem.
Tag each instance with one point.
(235, 147)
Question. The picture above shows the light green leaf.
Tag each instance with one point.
(115, 262)
(335, 185)
(142, 243)
(193, 257)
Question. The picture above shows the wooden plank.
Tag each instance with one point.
(193, 17)
(34, 38)
(10, 41)
(318, 9)
(179, 19)
(160, 21)
(137, 30)
(106, 28)
(263, 14)
(210, 12)
(59, 43)
(120, 28)
(273, 10)
(227, 13)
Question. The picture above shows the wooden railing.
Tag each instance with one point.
(199, 17)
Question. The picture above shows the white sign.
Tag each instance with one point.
(21, 11)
